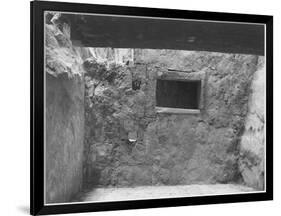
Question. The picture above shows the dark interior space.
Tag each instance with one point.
(178, 94)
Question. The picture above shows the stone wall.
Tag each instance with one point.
(64, 112)
(169, 149)
(251, 163)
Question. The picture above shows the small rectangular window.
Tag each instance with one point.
(184, 94)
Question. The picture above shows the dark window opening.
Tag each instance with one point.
(136, 84)
(178, 94)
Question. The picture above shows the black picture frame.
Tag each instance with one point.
(37, 205)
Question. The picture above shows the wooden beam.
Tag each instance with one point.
(124, 32)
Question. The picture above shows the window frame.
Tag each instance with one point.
(183, 76)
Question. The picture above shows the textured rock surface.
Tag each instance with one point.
(64, 137)
(251, 162)
(170, 149)
(65, 117)
(64, 113)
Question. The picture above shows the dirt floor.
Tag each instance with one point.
(154, 192)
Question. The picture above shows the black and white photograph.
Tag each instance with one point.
(141, 108)
(121, 108)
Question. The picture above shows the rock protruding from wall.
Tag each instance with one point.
(252, 152)
(64, 112)
(119, 56)
(130, 144)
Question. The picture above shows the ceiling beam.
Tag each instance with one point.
(124, 32)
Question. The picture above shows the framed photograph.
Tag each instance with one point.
(142, 107)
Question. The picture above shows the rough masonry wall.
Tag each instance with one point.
(170, 148)
(251, 163)
(64, 112)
